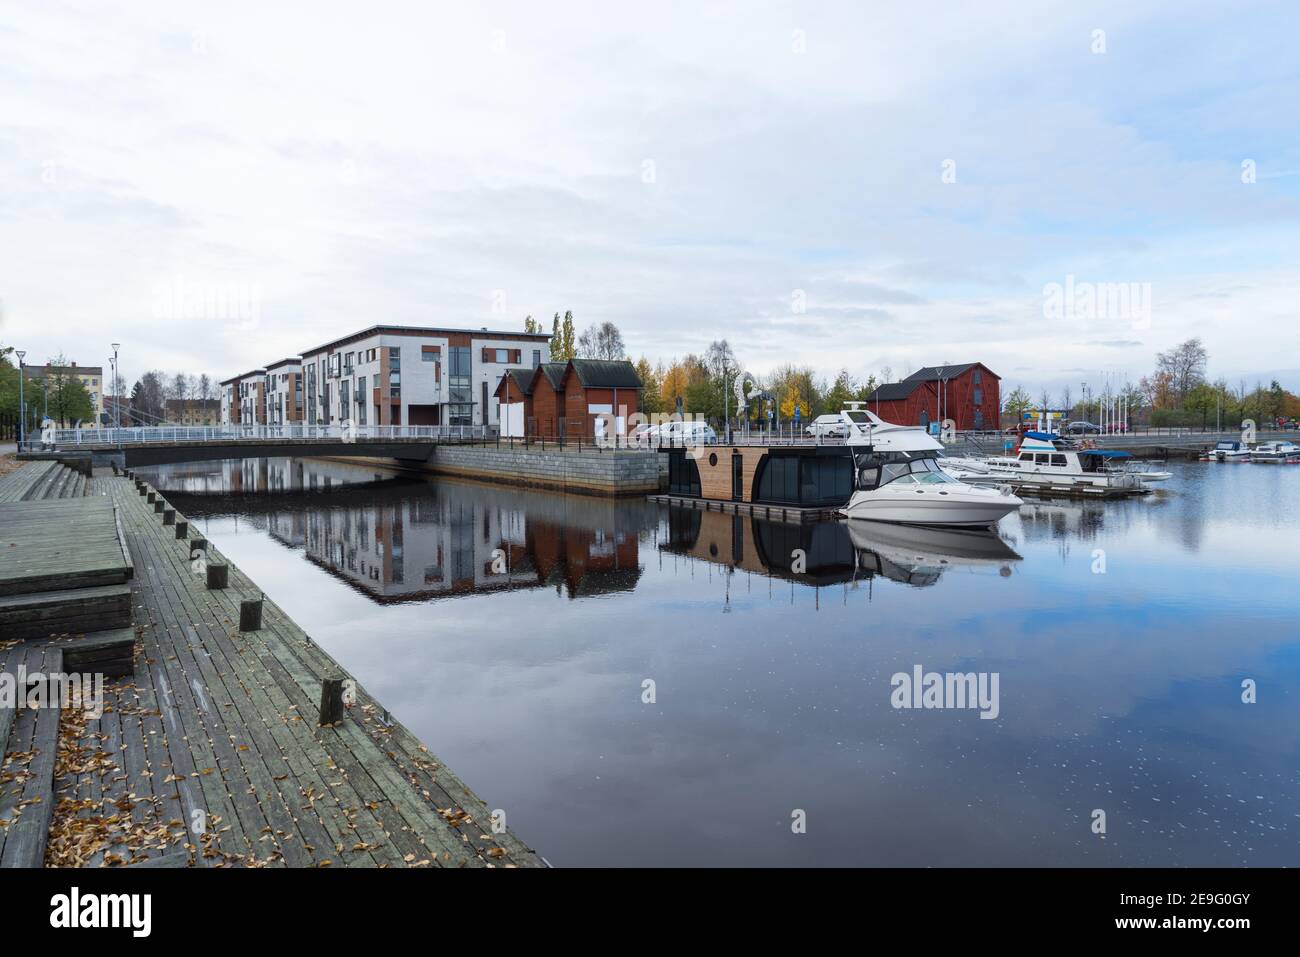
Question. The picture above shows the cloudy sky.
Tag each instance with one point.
(858, 185)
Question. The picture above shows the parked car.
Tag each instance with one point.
(691, 432)
(827, 425)
(1083, 428)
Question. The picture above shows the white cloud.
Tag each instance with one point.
(402, 163)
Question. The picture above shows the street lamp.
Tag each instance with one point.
(117, 405)
(22, 408)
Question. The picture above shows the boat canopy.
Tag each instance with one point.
(1107, 453)
(1042, 436)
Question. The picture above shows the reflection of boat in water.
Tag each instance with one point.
(937, 547)
(827, 553)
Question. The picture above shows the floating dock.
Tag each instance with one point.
(776, 513)
(210, 751)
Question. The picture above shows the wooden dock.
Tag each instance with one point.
(778, 513)
(212, 754)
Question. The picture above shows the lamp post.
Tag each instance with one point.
(117, 405)
(22, 408)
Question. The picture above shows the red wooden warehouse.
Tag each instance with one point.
(968, 394)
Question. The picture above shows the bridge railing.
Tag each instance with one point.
(174, 435)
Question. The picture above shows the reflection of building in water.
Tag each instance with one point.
(436, 544)
(400, 538)
(825, 553)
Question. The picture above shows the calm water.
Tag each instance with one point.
(512, 631)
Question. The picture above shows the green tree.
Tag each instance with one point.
(651, 379)
(531, 324)
(842, 390)
(557, 340)
(68, 400)
(1203, 400)
(1016, 403)
(570, 343)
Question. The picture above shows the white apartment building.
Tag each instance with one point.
(242, 399)
(283, 392)
(408, 375)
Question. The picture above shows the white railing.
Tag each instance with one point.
(172, 435)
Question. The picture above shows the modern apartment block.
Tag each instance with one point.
(406, 375)
(243, 399)
(284, 394)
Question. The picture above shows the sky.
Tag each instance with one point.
(863, 185)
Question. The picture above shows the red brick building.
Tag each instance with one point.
(566, 398)
(969, 394)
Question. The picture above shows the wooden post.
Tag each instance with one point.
(143, 489)
(158, 505)
(200, 543)
(218, 574)
(182, 529)
(250, 614)
(169, 516)
(150, 497)
(331, 701)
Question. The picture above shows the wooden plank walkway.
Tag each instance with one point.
(60, 544)
(213, 746)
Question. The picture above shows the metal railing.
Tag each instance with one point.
(173, 435)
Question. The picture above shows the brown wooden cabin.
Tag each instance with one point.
(807, 476)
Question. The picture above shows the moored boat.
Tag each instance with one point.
(1273, 453)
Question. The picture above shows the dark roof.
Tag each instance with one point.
(554, 372)
(292, 360)
(893, 390)
(933, 373)
(606, 373)
(523, 379)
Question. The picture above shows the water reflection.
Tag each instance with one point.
(828, 553)
(1121, 682)
(399, 538)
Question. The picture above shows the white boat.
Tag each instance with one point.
(1272, 453)
(898, 479)
(1047, 459)
(1231, 451)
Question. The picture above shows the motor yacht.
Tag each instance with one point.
(898, 478)
(1045, 458)
(1230, 451)
(1273, 453)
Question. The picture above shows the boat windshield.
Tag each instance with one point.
(1227, 446)
(923, 470)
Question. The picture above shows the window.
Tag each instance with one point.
(428, 353)
(537, 358)
(1058, 460)
(979, 396)
(976, 379)
(460, 390)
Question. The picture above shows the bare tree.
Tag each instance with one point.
(1185, 366)
(601, 342)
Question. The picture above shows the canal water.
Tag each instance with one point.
(639, 685)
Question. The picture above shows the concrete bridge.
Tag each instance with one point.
(161, 445)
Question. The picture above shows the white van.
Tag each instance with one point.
(827, 425)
